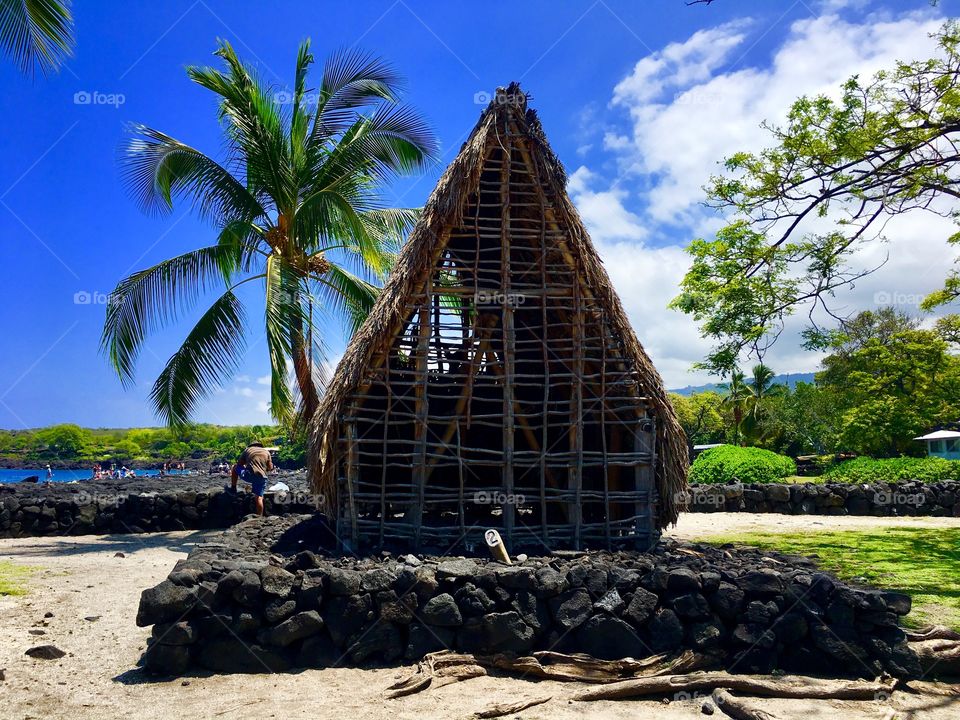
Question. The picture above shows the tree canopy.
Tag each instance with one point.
(800, 210)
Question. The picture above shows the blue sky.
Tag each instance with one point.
(639, 100)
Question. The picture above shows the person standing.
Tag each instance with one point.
(49, 474)
(257, 462)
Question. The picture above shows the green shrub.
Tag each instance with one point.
(731, 464)
(867, 470)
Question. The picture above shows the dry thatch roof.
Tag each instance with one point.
(415, 264)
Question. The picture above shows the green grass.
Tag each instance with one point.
(12, 577)
(923, 562)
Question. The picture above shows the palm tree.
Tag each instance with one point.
(761, 387)
(297, 209)
(36, 33)
(736, 397)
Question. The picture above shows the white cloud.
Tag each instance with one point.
(604, 210)
(687, 112)
(263, 379)
(686, 117)
(679, 64)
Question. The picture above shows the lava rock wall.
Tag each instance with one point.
(137, 505)
(913, 498)
(258, 599)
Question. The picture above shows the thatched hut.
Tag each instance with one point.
(498, 382)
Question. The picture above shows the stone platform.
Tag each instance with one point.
(264, 596)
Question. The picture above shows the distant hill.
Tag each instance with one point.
(790, 380)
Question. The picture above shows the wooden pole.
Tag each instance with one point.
(386, 438)
(351, 477)
(421, 427)
(508, 337)
(460, 499)
(576, 416)
(603, 430)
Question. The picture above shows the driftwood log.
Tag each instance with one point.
(932, 632)
(501, 709)
(784, 687)
(447, 665)
(938, 657)
(584, 668)
(937, 647)
(737, 708)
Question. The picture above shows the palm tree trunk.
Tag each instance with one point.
(304, 374)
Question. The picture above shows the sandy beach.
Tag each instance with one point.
(91, 587)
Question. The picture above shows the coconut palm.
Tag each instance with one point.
(36, 33)
(761, 387)
(297, 209)
(736, 397)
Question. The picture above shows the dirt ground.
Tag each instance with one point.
(93, 593)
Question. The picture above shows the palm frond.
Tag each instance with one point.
(152, 298)
(332, 216)
(393, 141)
(390, 227)
(347, 295)
(208, 356)
(254, 125)
(157, 167)
(300, 118)
(351, 81)
(284, 318)
(36, 34)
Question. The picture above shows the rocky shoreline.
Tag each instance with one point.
(264, 597)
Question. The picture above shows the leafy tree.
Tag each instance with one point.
(863, 328)
(65, 441)
(126, 449)
(948, 327)
(36, 33)
(803, 420)
(297, 207)
(890, 390)
(802, 208)
(700, 416)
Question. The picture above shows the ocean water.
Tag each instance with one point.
(70, 475)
